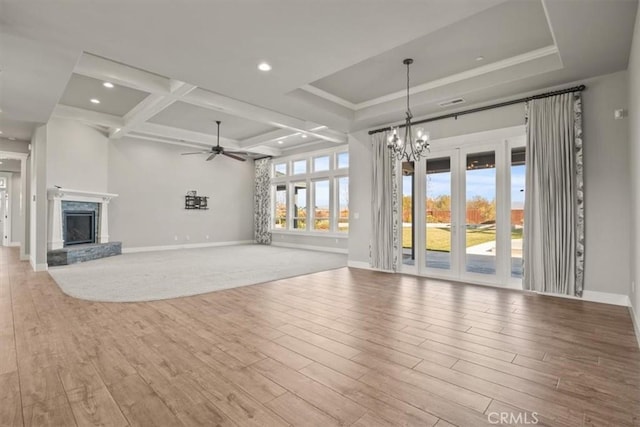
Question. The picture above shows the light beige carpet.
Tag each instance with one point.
(149, 276)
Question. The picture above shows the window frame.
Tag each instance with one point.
(310, 177)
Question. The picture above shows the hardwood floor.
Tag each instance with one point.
(343, 347)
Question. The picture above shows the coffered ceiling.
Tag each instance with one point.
(337, 65)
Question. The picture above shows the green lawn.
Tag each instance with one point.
(439, 239)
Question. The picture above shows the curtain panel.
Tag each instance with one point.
(554, 203)
(384, 245)
(262, 202)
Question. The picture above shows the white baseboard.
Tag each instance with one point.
(310, 247)
(38, 267)
(365, 266)
(591, 296)
(594, 296)
(24, 257)
(606, 298)
(183, 246)
(636, 322)
(14, 244)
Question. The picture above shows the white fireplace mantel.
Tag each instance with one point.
(57, 195)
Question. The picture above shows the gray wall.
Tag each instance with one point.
(77, 156)
(152, 179)
(634, 161)
(606, 180)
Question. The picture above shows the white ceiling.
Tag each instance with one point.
(118, 100)
(445, 52)
(336, 64)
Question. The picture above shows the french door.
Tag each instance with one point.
(462, 212)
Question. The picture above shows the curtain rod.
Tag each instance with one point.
(487, 107)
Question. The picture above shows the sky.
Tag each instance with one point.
(479, 182)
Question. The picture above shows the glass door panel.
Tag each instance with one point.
(517, 209)
(480, 217)
(438, 219)
(408, 222)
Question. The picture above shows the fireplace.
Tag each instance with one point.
(79, 227)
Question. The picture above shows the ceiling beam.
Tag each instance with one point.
(271, 136)
(164, 133)
(225, 104)
(149, 107)
(283, 134)
(120, 74)
(183, 135)
(87, 116)
(163, 92)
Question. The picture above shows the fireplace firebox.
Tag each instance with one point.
(79, 227)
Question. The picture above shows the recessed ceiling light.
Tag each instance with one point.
(108, 85)
(0, 132)
(95, 101)
(304, 135)
(479, 58)
(280, 142)
(263, 66)
(12, 139)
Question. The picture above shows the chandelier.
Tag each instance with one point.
(408, 148)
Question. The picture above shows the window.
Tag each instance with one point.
(311, 192)
(321, 212)
(343, 204)
(300, 205)
(299, 167)
(280, 206)
(343, 160)
(321, 164)
(280, 169)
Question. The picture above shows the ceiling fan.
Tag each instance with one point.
(217, 149)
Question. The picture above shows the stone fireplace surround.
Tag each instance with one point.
(66, 199)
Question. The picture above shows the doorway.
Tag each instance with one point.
(463, 209)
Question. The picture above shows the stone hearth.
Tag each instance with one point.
(81, 253)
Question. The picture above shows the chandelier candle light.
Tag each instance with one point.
(410, 149)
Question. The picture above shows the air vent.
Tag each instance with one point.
(451, 102)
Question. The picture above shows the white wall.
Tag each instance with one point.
(16, 202)
(634, 161)
(152, 179)
(606, 179)
(77, 156)
(38, 200)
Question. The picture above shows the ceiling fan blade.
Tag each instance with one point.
(196, 152)
(211, 156)
(233, 156)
